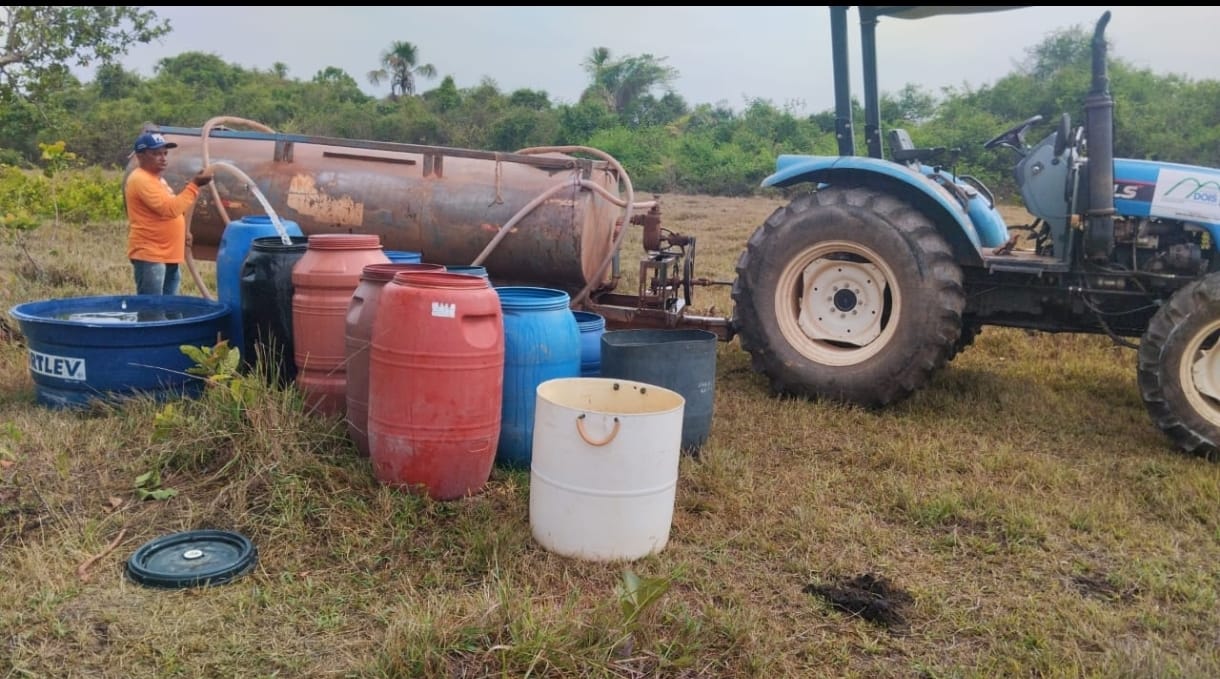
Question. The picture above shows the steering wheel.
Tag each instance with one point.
(1061, 136)
(1013, 137)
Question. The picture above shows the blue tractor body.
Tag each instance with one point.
(890, 264)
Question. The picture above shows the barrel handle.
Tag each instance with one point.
(580, 428)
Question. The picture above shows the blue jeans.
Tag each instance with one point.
(156, 278)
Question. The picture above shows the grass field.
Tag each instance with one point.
(1021, 517)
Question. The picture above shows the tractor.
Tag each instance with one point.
(864, 286)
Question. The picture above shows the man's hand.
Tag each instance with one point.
(203, 178)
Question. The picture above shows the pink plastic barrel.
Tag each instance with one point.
(323, 281)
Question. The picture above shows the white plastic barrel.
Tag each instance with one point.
(604, 471)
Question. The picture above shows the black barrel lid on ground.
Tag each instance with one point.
(198, 558)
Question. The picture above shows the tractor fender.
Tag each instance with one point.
(951, 219)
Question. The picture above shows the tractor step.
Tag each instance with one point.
(1021, 261)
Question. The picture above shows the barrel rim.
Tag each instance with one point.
(587, 320)
(344, 241)
(271, 243)
(631, 337)
(383, 272)
(533, 297)
(439, 279)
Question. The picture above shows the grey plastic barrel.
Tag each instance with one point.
(679, 360)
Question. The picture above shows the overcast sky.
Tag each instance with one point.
(724, 55)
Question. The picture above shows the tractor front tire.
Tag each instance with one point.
(1179, 367)
(848, 294)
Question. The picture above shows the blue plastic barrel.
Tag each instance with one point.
(592, 327)
(679, 360)
(110, 348)
(404, 256)
(541, 342)
(234, 247)
(467, 269)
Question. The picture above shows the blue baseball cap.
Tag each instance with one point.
(151, 140)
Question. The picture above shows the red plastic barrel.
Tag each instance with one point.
(436, 377)
(359, 328)
(323, 281)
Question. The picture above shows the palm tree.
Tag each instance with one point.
(398, 66)
(596, 65)
(620, 82)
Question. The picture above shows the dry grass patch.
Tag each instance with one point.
(1023, 510)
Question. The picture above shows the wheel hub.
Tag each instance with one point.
(1204, 373)
(845, 300)
(842, 301)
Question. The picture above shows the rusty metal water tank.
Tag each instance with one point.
(446, 203)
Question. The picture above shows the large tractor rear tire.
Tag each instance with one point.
(971, 329)
(1179, 367)
(848, 294)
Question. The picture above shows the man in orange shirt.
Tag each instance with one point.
(156, 241)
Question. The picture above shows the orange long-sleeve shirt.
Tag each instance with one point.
(157, 221)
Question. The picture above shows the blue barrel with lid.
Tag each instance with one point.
(541, 342)
(404, 256)
(467, 269)
(592, 327)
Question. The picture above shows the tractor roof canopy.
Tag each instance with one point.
(868, 55)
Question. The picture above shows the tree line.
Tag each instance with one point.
(628, 110)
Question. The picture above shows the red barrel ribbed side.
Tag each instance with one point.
(436, 377)
(359, 328)
(323, 281)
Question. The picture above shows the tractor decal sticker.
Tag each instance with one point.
(1128, 190)
(1187, 195)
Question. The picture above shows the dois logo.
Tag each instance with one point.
(1192, 190)
(61, 367)
(444, 309)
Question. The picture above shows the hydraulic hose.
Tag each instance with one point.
(628, 204)
(258, 195)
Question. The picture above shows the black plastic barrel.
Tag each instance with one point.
(235, 245)
(680, 360)
(266, 305)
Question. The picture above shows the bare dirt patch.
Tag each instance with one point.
(868, 596)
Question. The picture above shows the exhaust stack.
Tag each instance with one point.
(1099, 131)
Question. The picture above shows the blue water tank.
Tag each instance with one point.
(111, 348)
(234, 246)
